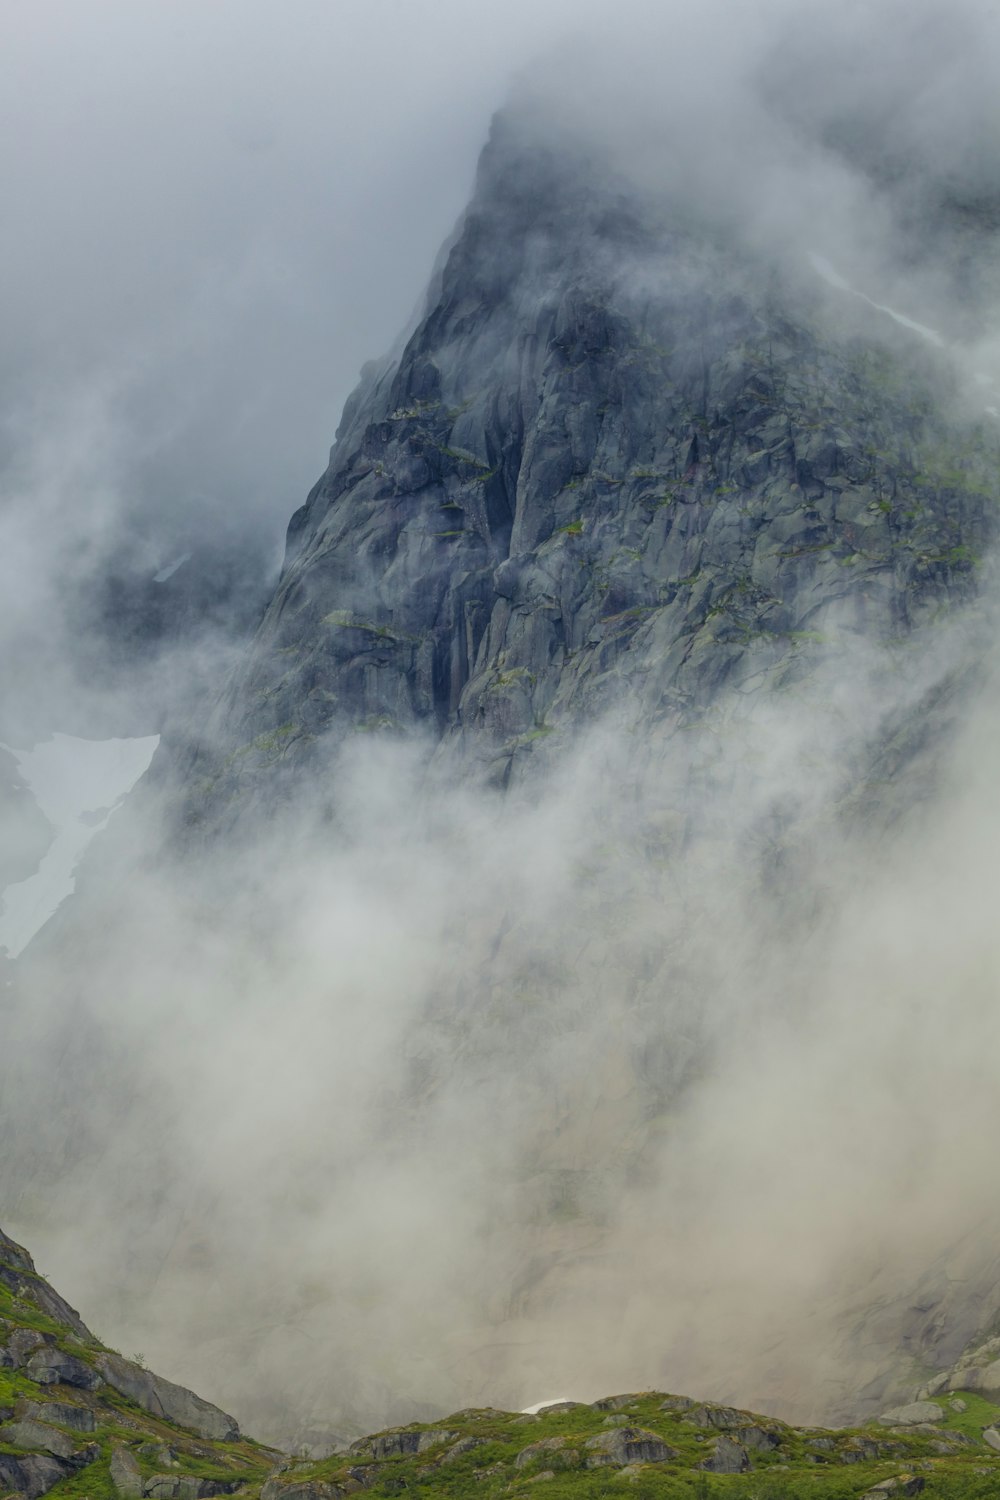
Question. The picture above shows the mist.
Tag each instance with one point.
(670, 1065)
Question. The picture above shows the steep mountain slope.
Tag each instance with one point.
(478, 991)
(78, 1419)
(622, 458)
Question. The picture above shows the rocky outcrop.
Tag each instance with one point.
(619, 458)
(18, 1274)
(161, 1398)
(66, 1414)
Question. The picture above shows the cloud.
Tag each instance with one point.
(429, 1095)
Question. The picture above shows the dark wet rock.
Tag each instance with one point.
(462, 1447)
(398, 1444)
(21, 1344)
(186, 1487)
(66, 1414)
(721, 1417)
(616, 1403)
(728, 1458)
(903, 1484)
(540, 1450)
(862, 1450)
(758, 1439)
(31, 1474)
(315, 1489)
(575, 485)
(50, 1365)
(31, 1434)
(363, 1475)
(628, 1445)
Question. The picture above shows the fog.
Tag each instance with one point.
(670, 1067)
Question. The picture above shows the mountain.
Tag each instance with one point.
(623, 460)
(558, 953)
(76, 1415)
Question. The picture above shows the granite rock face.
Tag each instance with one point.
(620, 457)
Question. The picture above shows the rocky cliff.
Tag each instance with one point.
(517, 1037)
(622, 459)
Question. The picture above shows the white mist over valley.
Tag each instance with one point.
(515, 914)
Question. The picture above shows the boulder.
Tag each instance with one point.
(29, 1434)
(162, 1398)
(398, 1444)
(462, 1447)
(540, 1450)
(721, 1417)
(21, 1344)
(65, 1413)
(910, 1415)
(728, 1458)
(125, 1473)
(52, 1366)
(760, 1439)
(984, 1379)
(628, 1445)
(991, 1437)
(31, 1474)
(315, 1489)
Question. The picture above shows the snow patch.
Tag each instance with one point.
(532, 1411)
(77, 784)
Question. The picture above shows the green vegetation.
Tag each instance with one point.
(648, 1444)
(152, 1444)
(483, 1453)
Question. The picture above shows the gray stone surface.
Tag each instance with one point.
(913, 1413)
(540, 1450)
(574, 484)
(162, 1398)
(31, 1434)
(126, 1475)
(49, 1365)
(64, 1413)
(628, 1445)
(729, 1457)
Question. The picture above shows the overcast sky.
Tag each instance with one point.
(215, 212)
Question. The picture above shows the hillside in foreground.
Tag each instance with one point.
(78, 1419)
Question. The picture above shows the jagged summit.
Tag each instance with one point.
(631, 473)
(621, 458)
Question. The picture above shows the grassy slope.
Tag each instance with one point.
(159, 1447)
(807, 1462)
(797, 1467)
